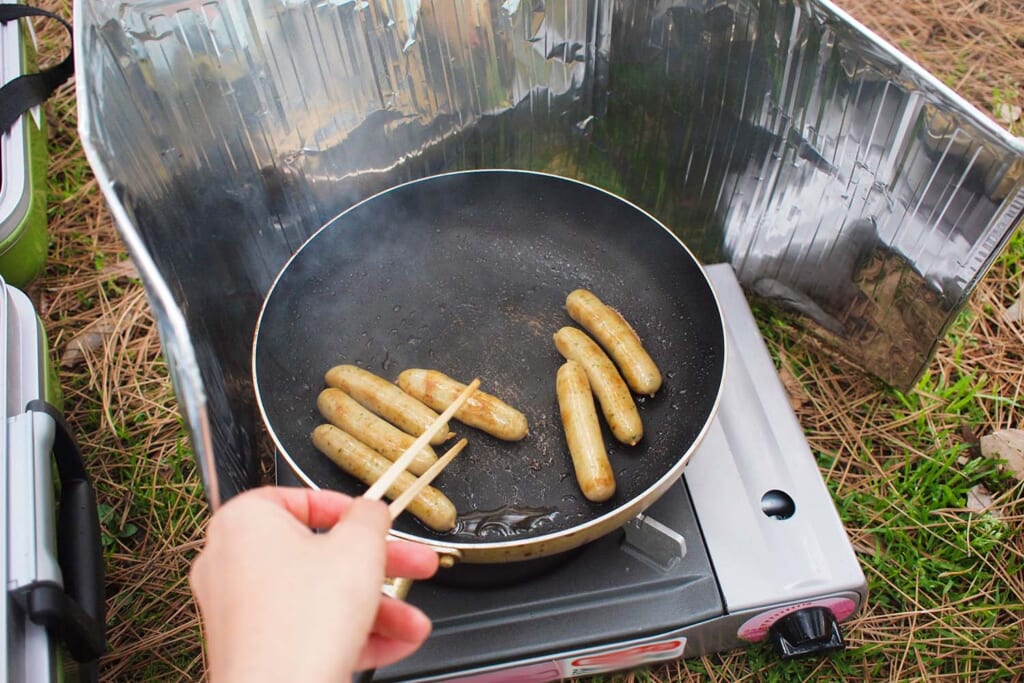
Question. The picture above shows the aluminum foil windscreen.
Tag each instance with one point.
(843, 183)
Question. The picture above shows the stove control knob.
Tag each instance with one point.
(807, 632)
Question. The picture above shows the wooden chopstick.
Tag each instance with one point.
(399, 504)
(380, 486)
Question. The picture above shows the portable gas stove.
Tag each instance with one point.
(746, 547)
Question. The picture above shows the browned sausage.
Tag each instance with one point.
(431, 507)
(583, 433)
(482, 411)
(387, 400)
(605, 381)
(618, 338)
(345, 413)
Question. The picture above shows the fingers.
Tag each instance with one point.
(398, 631)
(315, 508)
(410, 560)
(402, 559)
(398, 620)
(366, 523)
(323, 509)
(380, 652)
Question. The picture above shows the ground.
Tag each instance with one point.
(936, 522)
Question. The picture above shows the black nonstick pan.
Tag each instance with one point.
(467, 273)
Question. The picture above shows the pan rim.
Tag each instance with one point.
(640, 500)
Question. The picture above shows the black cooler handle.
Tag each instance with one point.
(76, 614)
(28, 90)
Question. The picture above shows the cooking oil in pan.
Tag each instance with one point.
(504, 522)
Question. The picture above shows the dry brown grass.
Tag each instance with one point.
(973, 46)
(120, 403)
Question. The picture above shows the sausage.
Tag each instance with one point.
(583, 433)
(482, 411)
(431, 507)
(345, 413)
(386, 400)
(605, 381)
(618, 338)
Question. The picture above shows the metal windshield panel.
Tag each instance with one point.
(842, 182)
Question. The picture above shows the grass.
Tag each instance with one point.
(946, 577)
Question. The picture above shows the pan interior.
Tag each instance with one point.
(467, 273)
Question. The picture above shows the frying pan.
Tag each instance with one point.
(467, 273)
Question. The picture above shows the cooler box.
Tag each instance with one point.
(53, 571)
(23, 159)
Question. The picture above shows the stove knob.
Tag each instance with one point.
(806, 632)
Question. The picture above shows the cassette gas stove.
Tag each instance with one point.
(747, 547)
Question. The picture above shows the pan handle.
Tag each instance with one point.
(397, 588)
(446, 557)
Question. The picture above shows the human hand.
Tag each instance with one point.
(280, 602)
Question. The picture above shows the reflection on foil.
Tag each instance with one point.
(842, 183)
(504, 522)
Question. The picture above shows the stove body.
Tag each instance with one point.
(748, 537)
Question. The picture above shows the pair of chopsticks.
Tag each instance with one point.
(382, 484)
(398, 466)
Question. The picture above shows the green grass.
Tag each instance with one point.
(933, 559)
